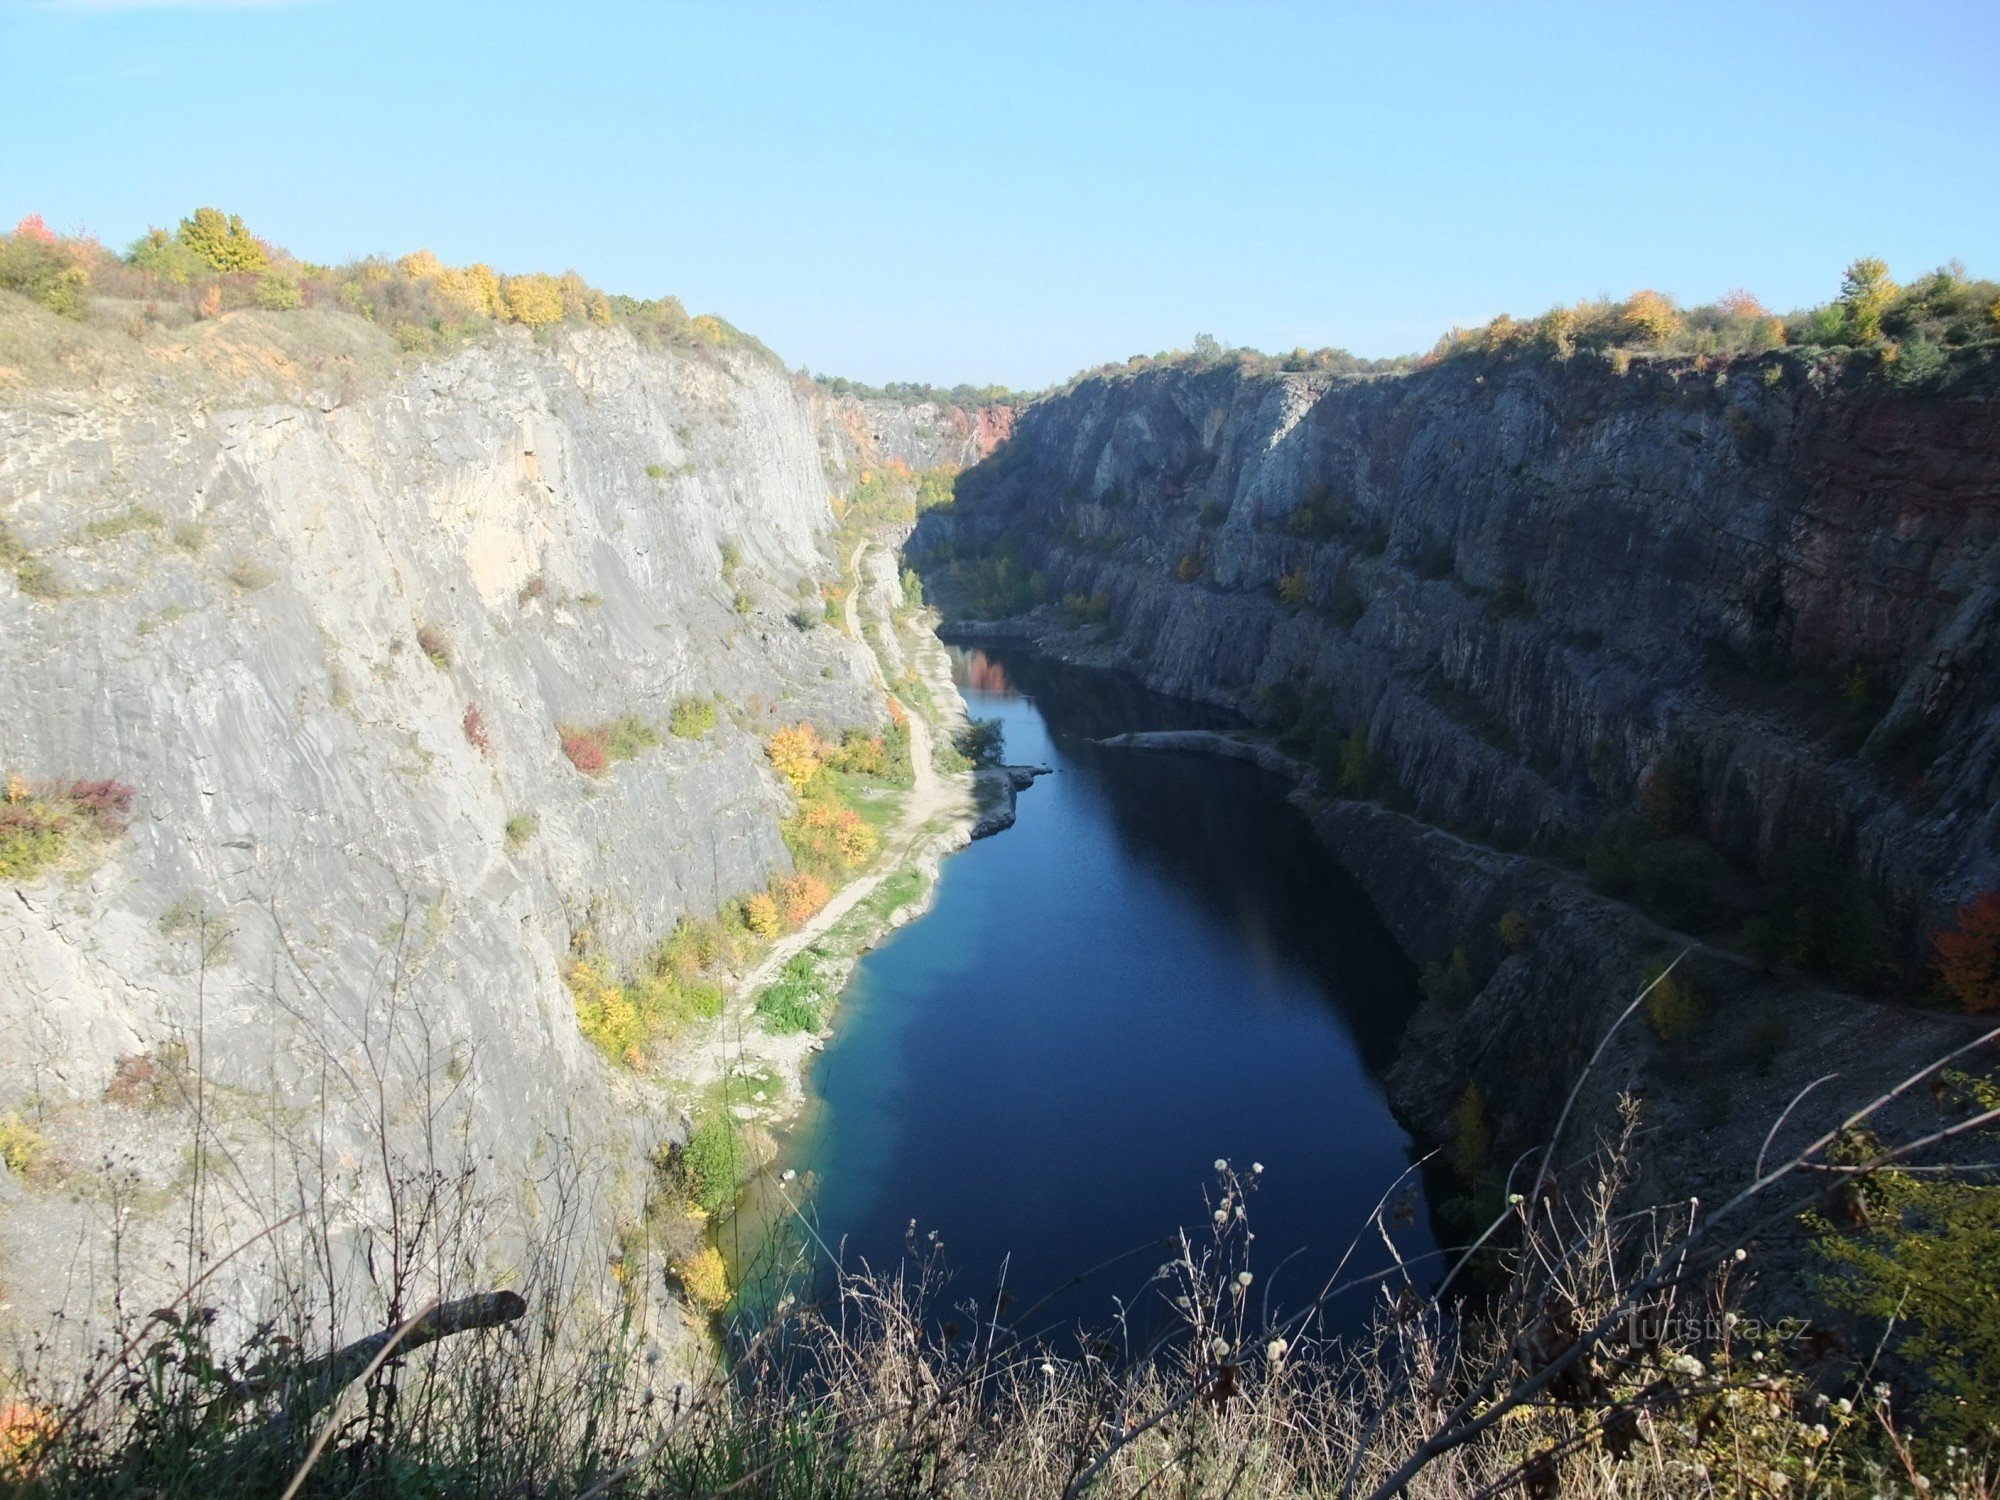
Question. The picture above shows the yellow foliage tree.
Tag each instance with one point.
(473, 292)
(1866, 292)
(421, 264)
(1292, 587)
(1649, 316)
(535, 300)
(760, 915)
(582, 302)
(797, 753)
(705, 1279)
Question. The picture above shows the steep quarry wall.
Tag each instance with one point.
(1532, 586)
(323, 609)
(859, 433)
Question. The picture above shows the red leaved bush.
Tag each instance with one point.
(475, 731)
(585, 749)
(107, 803)
(1968, 954)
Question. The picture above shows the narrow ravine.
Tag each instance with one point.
(1156, 968)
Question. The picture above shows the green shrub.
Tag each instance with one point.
(41, 272)
(1511, 601)
(43, 823)
(1674, 1009)
(279, 291)
(222, 242)
(1472, 1134)
(712, 1163)
(797, 1001)
(692, 718)
(1451, 983)
(521, 830)
(132, 518)
(627, 737)
(1680, 882)
(981, 742)
(1081, 609)
(435, 644)
(1922, 1267)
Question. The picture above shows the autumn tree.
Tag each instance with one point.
(1650, 317)
(1968, 954)
(1865, 294)
(796, 753)
(222, 243)
(535, 300)
(472, 291)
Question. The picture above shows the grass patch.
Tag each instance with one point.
(135, 518)
(799, 999)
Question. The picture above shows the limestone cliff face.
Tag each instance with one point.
(318, 881)
(920, 434)
(1530, 585)
(1532, 582)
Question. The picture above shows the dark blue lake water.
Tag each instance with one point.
(1155, 967)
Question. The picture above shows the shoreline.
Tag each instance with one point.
(941, 813)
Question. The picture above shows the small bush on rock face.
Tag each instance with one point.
(1968, 955)
(521, 828)
(692, 718)
(585, 749)
(594, 749)
(41, 824)
(435, 644)
(22, 1147)
(1674, 1009)
(1449, 984)
(1472, 1134)
(474, 726)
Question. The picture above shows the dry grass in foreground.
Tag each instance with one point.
(1607, 1359)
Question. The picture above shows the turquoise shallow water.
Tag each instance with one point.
(1155, 967)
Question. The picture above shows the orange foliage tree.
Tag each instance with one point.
(800, 895)
(1968, 954)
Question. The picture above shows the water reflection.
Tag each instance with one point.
(1157, 966)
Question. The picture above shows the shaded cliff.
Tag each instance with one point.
(1732, 624)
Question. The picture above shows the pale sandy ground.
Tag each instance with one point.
(936, 818)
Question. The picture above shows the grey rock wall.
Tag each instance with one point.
(1529, 585)
(245, 653)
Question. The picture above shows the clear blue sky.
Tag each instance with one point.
(1010, 191)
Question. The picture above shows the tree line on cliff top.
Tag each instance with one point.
(212, 263)
(1912, 330)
